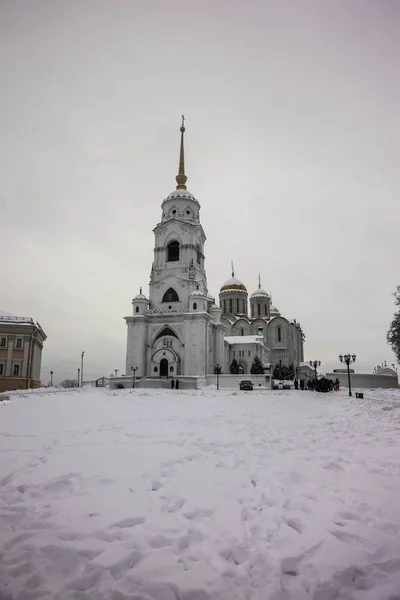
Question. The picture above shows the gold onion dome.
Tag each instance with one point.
(233, 284)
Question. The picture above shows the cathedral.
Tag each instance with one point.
(179, 330)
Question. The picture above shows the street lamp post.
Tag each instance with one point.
(51, 378)
(82, 369)
(315, 364)
(133, 369)
(218, 372)
(348, 359)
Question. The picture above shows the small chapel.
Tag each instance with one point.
(179, 330)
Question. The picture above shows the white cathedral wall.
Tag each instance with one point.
(136, 347)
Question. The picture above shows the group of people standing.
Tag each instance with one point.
(175, 384)
(319, 385)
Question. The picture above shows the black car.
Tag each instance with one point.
(246, 385)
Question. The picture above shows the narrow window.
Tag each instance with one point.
(249, 353)
(259, 309)
(16, 370)
(234, 354)
(1, 368)
(194, 305)
(19, 343)
(237, 305)
(137, 309)
(173, 251)
(244, 307)
(170, 296)
(198, 257)
(231, 306)
(155, 369)
(242, 331)
(266, 310)
(3, 342)
(224, 304)
(252, 310)
(279, 334)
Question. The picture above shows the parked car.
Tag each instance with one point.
(246, 384)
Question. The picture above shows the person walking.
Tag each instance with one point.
(172, 384)
(177, 384)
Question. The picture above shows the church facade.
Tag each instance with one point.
(179, 330)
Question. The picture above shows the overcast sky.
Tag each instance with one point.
(292, 148)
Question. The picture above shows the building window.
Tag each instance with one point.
(242, 331)
(259, 309)
(231, 306)
(194, 305)
(249, 353)
(279, 334)
(155, 369)
(173, 251)
(224, 305)
(234, 354)
(19, 343)
(16, 370)
(237, 305)
(3, 342)
(1, 368)
(252, 310)
(170, 296)
(137, 309)
(198, 257)
(266, 310)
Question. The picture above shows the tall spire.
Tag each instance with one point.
(181, 177)
(259, 281)
(233, 270)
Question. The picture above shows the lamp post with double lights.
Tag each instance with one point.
(218, 373)
(348, 359)
(133, 369)
(315, 364)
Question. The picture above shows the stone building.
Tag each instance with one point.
(21, 343)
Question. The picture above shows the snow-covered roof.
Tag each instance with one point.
(233, 284)
(6, 317)
(181, 194)
(259, 292)
(244, 339)
(197, 293)
(140, 297)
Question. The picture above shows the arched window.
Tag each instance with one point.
(230, 305)
(266, 309)
(244, 307)
(194, 305)
(170, 296)
(224, 304)
(173, 251)
(252, 310)
(198, 256)
(137, 309)
(279, 332)
(259, 309)
(237, 305)
(166, 331)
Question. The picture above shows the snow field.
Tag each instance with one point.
(153, 494)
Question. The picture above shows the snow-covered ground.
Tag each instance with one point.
(201, 495)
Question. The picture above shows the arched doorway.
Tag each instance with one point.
(163, 367)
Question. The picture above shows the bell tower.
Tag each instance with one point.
(178, 265)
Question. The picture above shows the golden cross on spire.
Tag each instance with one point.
(181, 178)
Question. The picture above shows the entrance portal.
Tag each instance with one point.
(164, 368)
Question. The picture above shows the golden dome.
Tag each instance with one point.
(233, 284)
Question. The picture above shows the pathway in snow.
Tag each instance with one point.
(199, 496)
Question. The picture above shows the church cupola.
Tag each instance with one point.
(140, 304)
(233, 296)
(260, 302)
